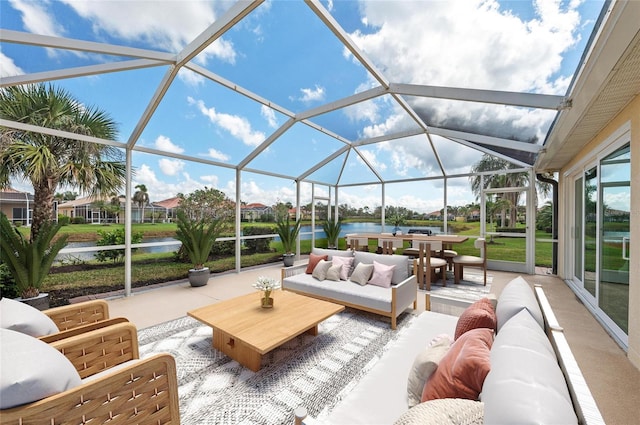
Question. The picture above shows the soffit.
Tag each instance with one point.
(602, 103)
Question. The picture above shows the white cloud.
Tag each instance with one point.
(238, 127)
(170, 27)
(164, 143)
(36, 19)
(217, 155)
(170, 167)
(210, 180)
(312, 95)
(8, 67)
(270, 115)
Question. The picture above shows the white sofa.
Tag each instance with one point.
(534, 377)
(388, 302)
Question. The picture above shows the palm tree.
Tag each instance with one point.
(498, 180)
(49, 161)
(141, 197)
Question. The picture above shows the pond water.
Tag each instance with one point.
(305, 234)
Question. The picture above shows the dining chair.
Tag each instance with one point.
(460, 261)
(426, 264)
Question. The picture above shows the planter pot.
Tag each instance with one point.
(288, 259)
(41, 302)
(199, 277)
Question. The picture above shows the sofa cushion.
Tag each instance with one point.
(334, 272)
(445, 411)
(20, 317)
(331, 253)
(462, 370)
(480, 314)
(314, 260)
(381, 275)
(400, 273)
(423, 367)
(346, 263)
(515, 296)
(525, 384)
(31, 370)
(362, 273)
(321, 269)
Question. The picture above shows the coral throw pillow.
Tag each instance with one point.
(314, 259)
(381, 275)
(461, 372)
(480, 314)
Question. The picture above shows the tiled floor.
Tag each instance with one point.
(613, 380)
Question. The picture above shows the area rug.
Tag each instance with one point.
(453, 298)
(307, 371)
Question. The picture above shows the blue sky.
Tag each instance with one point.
(282, 52)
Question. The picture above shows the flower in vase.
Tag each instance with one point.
(266, 285)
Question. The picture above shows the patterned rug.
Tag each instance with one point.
(307, 371)
(470, 289)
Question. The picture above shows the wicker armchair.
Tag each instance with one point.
(140, 391)
(75, 319)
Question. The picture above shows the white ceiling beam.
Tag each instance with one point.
(38, 40)
(59, 133)
(486, 140)
(343, 103)
(264, 145)
(81, 71)
(528, 100)
(344, 38)
(234, 15)
(200, 160)
(323, 162)
(388, 137)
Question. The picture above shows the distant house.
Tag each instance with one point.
(16, 205)
(167, 208)
(254, 211)
(92, 209)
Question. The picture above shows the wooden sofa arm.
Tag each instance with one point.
(143, 392)
(74, 315)
(82, 329)
(95, 351)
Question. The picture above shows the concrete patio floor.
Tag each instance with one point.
(613, 380)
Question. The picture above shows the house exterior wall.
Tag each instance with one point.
(631, 115)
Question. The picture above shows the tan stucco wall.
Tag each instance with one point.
(630, 114)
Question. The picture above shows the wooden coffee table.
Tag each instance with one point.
(244, 331)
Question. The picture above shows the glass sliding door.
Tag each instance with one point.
(590, 230)
(577, 230)
(615, 208)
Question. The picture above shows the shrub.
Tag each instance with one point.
(257, 245)
(8, 287)
(64, 220)
(78, 220)
(114, 237)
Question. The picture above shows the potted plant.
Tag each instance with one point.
(28, 260)
(288, 235)
(197, 237)
(397, 220)
(332, 230)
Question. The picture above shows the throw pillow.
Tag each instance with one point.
(462, 370)
(381, 275)
(346, 263)
(21, 317)
(362, 273)
(423, 367)
(447, 411)
(480, 314)
(31, 370)
(334, 272)
(314, 260)
(320, 271)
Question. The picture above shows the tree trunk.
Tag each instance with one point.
(43, 193)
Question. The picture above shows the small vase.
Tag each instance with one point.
(266, 302)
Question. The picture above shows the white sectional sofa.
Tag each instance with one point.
(389, 302)
(533, 377)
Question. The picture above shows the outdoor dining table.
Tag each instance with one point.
(447, 240)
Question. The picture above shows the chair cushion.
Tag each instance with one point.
(516, 296)
(468, 259)
(480, 314)
(346, 263)
(21, 317)
(425, 363)
(362, 274)
(31, 370)
(462, 370)
(446, 411)
(321, 269)
(314, 259)
(381, 275)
